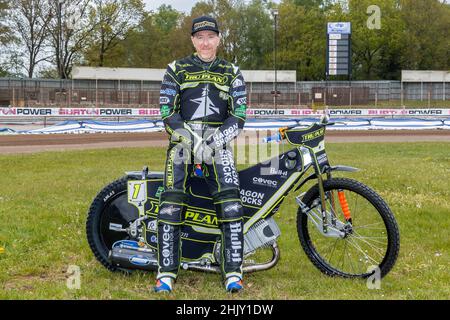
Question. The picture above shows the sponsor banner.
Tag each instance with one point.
(349, 112)
(78, 112)
(155, 112)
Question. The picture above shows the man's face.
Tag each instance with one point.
(206, 44)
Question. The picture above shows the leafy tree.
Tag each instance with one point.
(30, 19)
(69, 33)
(3, 72)
(257, 37)
(155, 41)
(427, 34)
(301, 44)
(182, 37)
(12, 65)
(413, 34)
(5, 37)
(112, 21)
(232, 25)
(369, 42)
(5, 31)
(159, 38)
(174, 40)
(313, 3)
(146, 44)
(167, 18)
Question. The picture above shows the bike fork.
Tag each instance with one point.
(323, 206)
(314, 216)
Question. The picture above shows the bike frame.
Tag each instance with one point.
(200, 232)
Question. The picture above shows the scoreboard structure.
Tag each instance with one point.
(339, 49)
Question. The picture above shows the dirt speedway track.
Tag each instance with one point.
(57, 142)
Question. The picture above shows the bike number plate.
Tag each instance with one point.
(137, 192)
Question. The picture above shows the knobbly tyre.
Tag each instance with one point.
(345, 228)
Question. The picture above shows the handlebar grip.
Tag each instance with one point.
(276, 137)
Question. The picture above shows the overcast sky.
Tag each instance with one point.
(180, 5)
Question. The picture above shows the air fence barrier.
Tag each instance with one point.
(94, 120)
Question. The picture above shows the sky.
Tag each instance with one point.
(180, 5)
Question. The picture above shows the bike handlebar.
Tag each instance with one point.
(275, 137)
(280, 135)
(324, 121)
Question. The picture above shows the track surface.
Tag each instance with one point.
(57, 142)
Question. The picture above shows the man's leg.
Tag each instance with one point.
(223, 181)
(172, 208)
(170, 219)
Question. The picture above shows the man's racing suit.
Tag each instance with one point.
(201, 102)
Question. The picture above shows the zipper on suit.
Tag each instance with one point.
(206, 98)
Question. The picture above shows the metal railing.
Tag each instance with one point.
(92, 93)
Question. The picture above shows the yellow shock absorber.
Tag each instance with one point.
(344, 205)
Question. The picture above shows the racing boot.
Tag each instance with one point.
(233, 284)
(164, 285)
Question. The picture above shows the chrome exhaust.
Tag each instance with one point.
(246, 269)
(265, 266)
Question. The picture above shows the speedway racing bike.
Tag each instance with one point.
(344, 227)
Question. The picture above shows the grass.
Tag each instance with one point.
(44, 198)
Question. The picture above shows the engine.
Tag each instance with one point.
(262, 234)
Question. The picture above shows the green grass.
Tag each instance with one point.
(44, 199)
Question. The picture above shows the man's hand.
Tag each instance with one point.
(210, 139)
(208, 153)
(187, 136)
(197, 143)
(203, 153)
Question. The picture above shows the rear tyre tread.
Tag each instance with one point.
(94, 215)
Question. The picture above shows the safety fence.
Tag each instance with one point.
(125, 94)
(91, 126)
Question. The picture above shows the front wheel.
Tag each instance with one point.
(369, 236)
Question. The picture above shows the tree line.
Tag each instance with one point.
(46, 38)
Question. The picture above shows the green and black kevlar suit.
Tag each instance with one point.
(201, 102)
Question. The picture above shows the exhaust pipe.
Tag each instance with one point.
(148, 261)
(265, 266)
(246, 269)
(133, 259)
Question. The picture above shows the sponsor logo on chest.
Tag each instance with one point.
(208, 77)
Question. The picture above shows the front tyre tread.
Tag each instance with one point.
(383, 209)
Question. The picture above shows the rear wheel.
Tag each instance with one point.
(109, 210)
(369, 240)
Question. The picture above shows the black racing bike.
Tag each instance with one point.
(345, 228)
